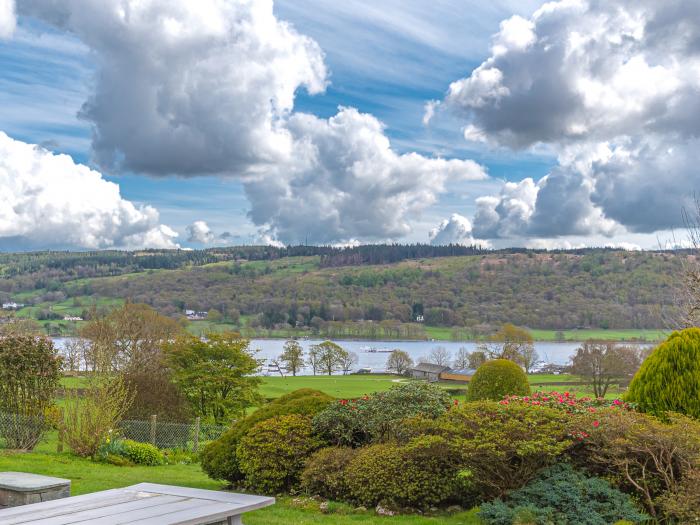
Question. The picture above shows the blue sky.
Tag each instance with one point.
(387, 59)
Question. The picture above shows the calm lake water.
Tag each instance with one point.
(550, 352)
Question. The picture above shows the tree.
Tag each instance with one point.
(214, 315)
(688, 289)
(30, 369)
(14, 326)
(439, 356)
(215, 374)
(399, 362)
(132, 338)
(669, 379)
(603, 363)
(514, 343)
(314, 360)
(292, 357)
(476, 359)
(347, 361)
(133, 334)
(330, 356)
(462, 359)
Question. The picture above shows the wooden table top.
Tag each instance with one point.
(145, 504)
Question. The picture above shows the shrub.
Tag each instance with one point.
(500, 447)
(92, 414)
(218, 458)
(272, 454)
(496, 379)
(325, 473)
(652, 458)
(567, 402)
(419, 474)
(142, 453)
(30, 369)
(560, 494)
(375, 418)
(669, 379)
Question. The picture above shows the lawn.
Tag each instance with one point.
(336, 386)
(359, 384)
(87, 476)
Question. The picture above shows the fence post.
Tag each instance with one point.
(61, 425)
(153, 429)
(195, 448)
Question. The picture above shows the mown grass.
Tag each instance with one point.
(358, 385)
(87, 476)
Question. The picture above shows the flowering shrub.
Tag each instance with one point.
(566, 401)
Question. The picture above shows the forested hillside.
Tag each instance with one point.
(309, 286)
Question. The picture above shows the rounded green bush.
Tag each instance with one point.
(375, 418)
(496, 379)
(669, 379)
(218, 458)
(325, 473)
(142, 453)
(422, 473)
(272, 454)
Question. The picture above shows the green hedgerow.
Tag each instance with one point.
(218, 458)
(142, 453)
(325, 473)
(560, 494)
(496, 379)
(272, 454)
(669, 379)
(421, 474)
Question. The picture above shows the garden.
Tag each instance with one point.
(412, 453)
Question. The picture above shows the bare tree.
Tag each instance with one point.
(603, 363)
(399, 362)
(439, 356)
(347, 361)
(687, 296)
(462, 358)
(476, 359)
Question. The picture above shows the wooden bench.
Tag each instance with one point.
(23, 488)
(145, 504)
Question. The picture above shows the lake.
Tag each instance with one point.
(549, 352)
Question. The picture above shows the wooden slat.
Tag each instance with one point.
(162, 513)
(210, 513)
(145, 503)
(108, 511)
(22, 514)
(215, 495)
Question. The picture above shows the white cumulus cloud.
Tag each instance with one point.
(7, 18)
(50, 201)
(346, 182)
(611, 86)
(186, 87)
(455, 230)
(200, 232)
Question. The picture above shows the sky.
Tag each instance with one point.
(171, 123)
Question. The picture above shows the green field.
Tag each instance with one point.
(651, 335)
(351, 386)
(88, 476)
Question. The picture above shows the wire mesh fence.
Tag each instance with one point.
(187, 436)
(21, 432)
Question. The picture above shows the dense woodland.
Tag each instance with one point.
(307, 286)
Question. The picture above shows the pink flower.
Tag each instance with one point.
(596, 423)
